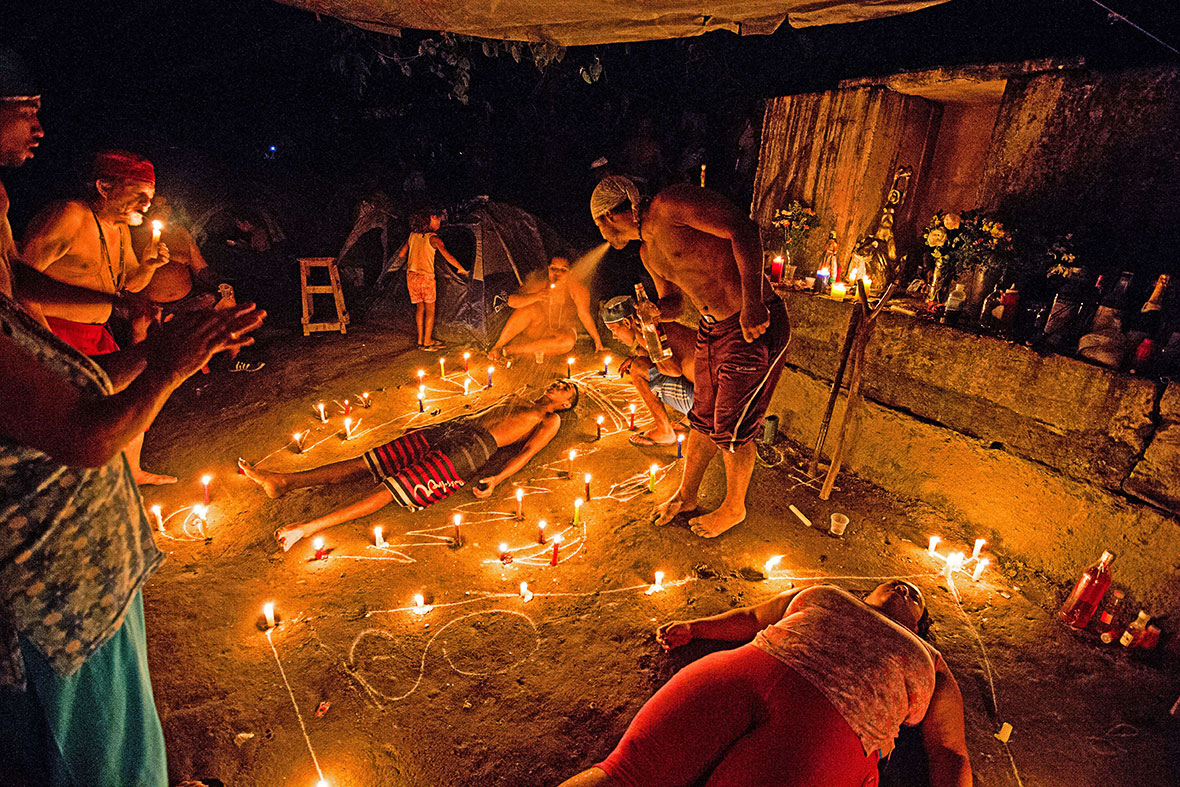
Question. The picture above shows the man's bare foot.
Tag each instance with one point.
(717, 522)
(669, 510)
(271, 483)
(653, 437)
(144, 478)
(288, 536)
(496, 355)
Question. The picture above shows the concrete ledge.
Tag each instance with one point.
(1156, 478)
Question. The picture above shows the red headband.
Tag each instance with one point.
(120, 165)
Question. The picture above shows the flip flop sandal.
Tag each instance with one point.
(643, 441)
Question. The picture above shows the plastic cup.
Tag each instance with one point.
(839, 523)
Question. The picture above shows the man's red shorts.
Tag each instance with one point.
(85, 337)
(736, 378)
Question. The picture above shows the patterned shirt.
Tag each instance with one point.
(875, 672)
(75, 544)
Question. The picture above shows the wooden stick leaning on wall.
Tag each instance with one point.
(837, 380)
(863, 333)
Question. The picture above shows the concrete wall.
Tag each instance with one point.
(1051, 459)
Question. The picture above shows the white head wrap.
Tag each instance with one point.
(610, 192)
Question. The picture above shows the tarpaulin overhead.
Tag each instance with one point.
(581, 22)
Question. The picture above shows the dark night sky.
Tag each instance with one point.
(204, 86)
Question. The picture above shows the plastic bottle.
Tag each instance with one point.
(1136, 630)
(1087, 593)
(954, 305)
(653, 335)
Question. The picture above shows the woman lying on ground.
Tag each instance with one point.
(815, 699)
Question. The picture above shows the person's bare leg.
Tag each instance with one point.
(142, 477)
(698, 452)
(419, 314)
(557, 343)
(662, 432)
(739, 466)
(591, 777)
(428, 330)
(518, 322)
(276, 484)
(288, 536)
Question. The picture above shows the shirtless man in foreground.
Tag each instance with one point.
(694, 242)
(542, 321)
(427, 465)
(88, 244)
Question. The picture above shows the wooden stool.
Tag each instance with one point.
(333, 289)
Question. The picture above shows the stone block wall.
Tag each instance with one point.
(1051, 459)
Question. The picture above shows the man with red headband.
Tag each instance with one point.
(87, 243)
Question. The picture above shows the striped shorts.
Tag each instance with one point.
(430, 464)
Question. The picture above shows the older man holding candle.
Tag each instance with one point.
(695, 243)
(427, 465)
(543, 320)
(76, 702)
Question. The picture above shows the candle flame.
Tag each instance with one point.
(519, 494)
(569, 361)
(607, 360)
(377, 535)
(205, 479)
(157, 226)
(573, 454)
(421, 374)
(318, 542)
(491, 369)
(587, 478)
(525, 593)
(770, 564)
(541, 524)
(658, 585)
(558, 538)
(457, 519)
(156, 510)
(579, 502)
(466, 356)
(600, 419)
(201, 511)
(934, 542)
(652, 470)
(632, 409)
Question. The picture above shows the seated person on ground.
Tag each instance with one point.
(668, 382)
(427, 465)
(543, 320)
(815, 699)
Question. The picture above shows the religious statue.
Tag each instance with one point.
(875, 255)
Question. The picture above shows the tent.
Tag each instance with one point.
(582, 22)
(499, 244)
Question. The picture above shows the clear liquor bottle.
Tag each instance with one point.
(653, 335)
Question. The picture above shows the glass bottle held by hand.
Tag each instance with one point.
(653, 335)
(1087, 594)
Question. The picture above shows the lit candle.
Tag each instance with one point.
(323, 415)
(378, 539)
(159, 518)
(839, 290)
(586, 478)
(421, 402)
(540, 531)
(466, 385)
(466, 362)
(365, 401)
(776, 268)
(606, 366)
(525, 593)
(679, 446)
(202, 513)
(658, 585)
(770, 564)
(578, 503)
(347, 428)
(420, 607)
(442, 367)
(632, 425)
(519, 503)
(299, 437)
(505, 555)
(205, 481)
(934, 542)
(868, 284)
(421, 374)
(457, 520)
(821, 279)
(320, 552)
(490, 370)
(979, 567)
(598, 421)
(651, 478)
(569, 367)
(556, 546)
(979, 542)
(573, 456)
(347, 407)
(954, 562)
(157, 229)
(268, 611)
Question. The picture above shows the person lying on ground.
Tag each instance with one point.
(542, 322)
(815, 699)
(697, 244)
(669, 382)
(430, 464)
(418, 252)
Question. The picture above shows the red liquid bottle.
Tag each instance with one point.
(1087, 594)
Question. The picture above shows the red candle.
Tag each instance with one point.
(466, 362)
(505, 555)
(321, 553)
(556, 546)
(632, 426)
(205, 481)
(519, 503)
(776, 269)
(347, 407)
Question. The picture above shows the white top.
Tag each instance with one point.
(420, 255)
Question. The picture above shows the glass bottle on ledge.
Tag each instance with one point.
(1147, 330)
(653, 335)
(990, 312)
(1087, 593)
(1105, 343)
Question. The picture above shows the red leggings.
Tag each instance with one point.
(740, 717)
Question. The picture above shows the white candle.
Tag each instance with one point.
(421, 374)
(770, 564)
(157, 229)
(378, 539)
(525, 593)
(954, 562)
(658, 585)
(839, 290)
(347, 428)
(268, 610)
(979, 567)
(466, 385)
(323, 415)
(519, 503)
(651, 478)
(934, 542)
(420, 604)
(156, 511)
(979, 542)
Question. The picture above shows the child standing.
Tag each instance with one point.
(418, 251)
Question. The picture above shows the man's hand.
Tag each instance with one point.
(755, 319)
(189, 341)
(484, 487)
(673, 635)
(162, 256)
(137, 309)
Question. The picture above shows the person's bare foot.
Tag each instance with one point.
(717, 522)
(271, 483)
(653, 437)
(144, 478)
(288, 536)
(496, 355)
(671, 508)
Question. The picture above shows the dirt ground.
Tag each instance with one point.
(486, 689)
